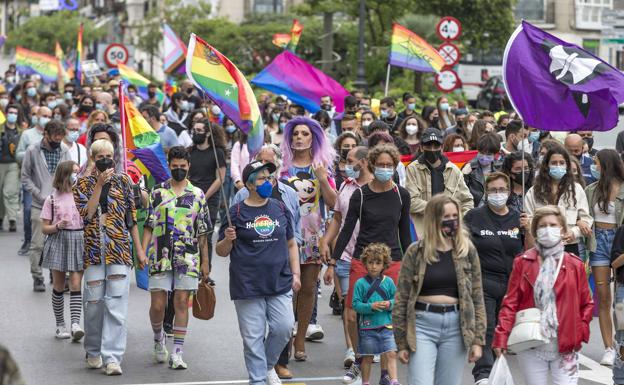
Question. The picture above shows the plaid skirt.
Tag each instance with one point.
(63, 251)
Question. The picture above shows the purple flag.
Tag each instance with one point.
(300, 81)
(558, 86)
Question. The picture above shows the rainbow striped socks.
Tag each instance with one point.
(179, 333)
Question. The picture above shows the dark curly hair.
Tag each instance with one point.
(543, 182)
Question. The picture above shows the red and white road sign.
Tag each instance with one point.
(115, 53)
(449, 28)
(447, 80)
(450, 53)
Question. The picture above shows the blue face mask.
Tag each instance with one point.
(31, 92)
(11, 118)
(411, 106)
(52, 104)
(43, 121)
(34, 120)
(351, 173)
(534, 136)
(282, 126)
(557, 172)
(594, 171)
(99, 106)
(383, 174)
(384, 113)
(230, 128)
(485, 160)
(444, 106)
(265, 189)
(275, 117)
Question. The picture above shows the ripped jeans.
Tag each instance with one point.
(618, 366)
(106, 289)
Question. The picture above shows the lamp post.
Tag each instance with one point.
(360, 81)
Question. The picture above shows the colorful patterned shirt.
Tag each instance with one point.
(176, 221)
(114, 232)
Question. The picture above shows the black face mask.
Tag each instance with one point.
(54, 145)
(178, 174)
(86, 109)
(199, 138)
(326, 107)
(104, 164)
(590, 142)
(517, 178)
(449, 227)
(151, 94)
(432, 156)
(434, 122)
(344, 152)
(189, 91)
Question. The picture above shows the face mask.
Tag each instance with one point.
(444, 106)
(458, 149)
(384, 113)
(230, 128)
(351, 173)
(132, 95)
(411, 106)
(517, 177)
(184, 105)
(384, 174)
(178, 174)
(52, 104)
(72, 136)
(557, 172)
(540, 159)
(54, 145)
(549, 236)
(594, 171)
(12, 118)
(534, 136)
(4, 102)
(432, 156)
(151, 94)
(282, 126)
(524, 145)
(485, 160)
(590, 142)
(449, 227)
(31, 92)
(498, 201)
(199, 138)
(18, 97)
(86, 108)
(43, 121)
(104, 164)
(34, 119)
(411, 129)
(265, 189)
(434, 121)
(68, 95)
(366, 123)
(189, 91)
(58, 117)
(344, 152)
(99, 106)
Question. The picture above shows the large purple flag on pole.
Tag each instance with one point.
(300, 81)
(558, 86)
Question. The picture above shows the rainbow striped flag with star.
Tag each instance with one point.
(409, 50)
(139, 81)
(31, 63)
(227, 87)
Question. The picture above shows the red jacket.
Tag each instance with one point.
(574, 301)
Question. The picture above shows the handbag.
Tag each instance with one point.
(204, 301)
(527, 330)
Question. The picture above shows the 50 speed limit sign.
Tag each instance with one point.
(116, 53)
(449, 28)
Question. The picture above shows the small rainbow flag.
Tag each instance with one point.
(139, 81)
(175, 50)
(78, 67)
(295, 35)
(281, 40)
(224, 84)
(171, 87)
(31, 62)
(409, 50)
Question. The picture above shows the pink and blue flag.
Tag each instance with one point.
(558, 86)
(301, 82)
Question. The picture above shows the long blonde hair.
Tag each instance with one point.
(433, 235)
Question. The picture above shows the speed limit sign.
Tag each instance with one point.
(448, 28)
(447, 80)
(116, 53)
(450, 53)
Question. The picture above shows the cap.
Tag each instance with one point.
(257, 166)
(460, 111)
(431, 134)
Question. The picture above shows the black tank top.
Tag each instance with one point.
(440, 277)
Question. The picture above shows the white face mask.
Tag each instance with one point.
(498, 200)
(458, 149)
(525, 145)
(366, 123)
(411, 129)
(549, 236)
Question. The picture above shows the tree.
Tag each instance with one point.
(41, 33)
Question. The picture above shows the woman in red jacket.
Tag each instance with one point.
(565, 311)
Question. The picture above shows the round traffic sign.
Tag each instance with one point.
(450, 53)
(447, 80)
(116, 53)
(448, 28)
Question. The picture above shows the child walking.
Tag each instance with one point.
(63, 248)
(373, 300)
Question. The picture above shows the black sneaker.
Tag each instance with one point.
(38, 285)
(12, 226)
(24, 249)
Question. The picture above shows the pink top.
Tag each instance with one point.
(64, 209)
(349, 186)
(239, 159)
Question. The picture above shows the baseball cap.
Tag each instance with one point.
(257, 166)
(431, 135)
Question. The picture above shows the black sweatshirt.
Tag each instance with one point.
(385, 219)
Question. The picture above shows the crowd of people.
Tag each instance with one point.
(431, 260)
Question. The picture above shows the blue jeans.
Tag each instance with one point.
(343, 269)
(618, 366)
(602, 255)
(440, 352)
(106, 289)
(27, 202)
(262, 350)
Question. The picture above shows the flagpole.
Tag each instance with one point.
(387, 80)
(122, 115)
(214, 150)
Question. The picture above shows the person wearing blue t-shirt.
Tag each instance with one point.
(264, 271)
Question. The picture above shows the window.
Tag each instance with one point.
(589, 13)
(592, 45)
(268, 6)
(532, 10)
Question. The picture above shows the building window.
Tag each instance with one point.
(532, 10)
(589, 13)
(268, 6)
(591, 45)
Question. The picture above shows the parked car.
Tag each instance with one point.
(494, 87)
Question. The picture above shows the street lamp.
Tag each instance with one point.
(360, 81)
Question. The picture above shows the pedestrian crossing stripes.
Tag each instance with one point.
(294, 381)
(594, 372)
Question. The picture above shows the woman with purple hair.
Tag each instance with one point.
(308, 157)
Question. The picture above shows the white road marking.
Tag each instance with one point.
(294, 381)
(596, 372)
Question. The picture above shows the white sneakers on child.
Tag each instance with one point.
(76, 333)
(62, 333)
(272, 378)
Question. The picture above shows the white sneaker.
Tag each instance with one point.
(314, 332)
(62, 333)
(113, 369)
(349, 358)
(608, 357)
(483, 381)
(76, 333)
(272, 378)
(376, 358)
(94, 362)
(295, 326)
(176, 362)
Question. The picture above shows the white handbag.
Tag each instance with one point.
(527, 331)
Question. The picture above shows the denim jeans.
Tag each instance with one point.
(440, 352)
(27, 203)
(618, 366)
(262, 350)
(106, 289)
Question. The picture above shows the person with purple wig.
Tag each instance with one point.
(308, 157)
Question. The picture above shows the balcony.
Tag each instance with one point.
(588, 13)
(540, 12)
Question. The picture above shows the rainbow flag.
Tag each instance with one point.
(31, 62)
(409, 50)
(225, 85)
(78, 66)
(60, 56)
(295, 35)
(459, 159)
(139, 81)
(175, 50)
(143, 142)
(281, 40)
(171, 87)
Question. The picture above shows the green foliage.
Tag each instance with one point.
(41, 33)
